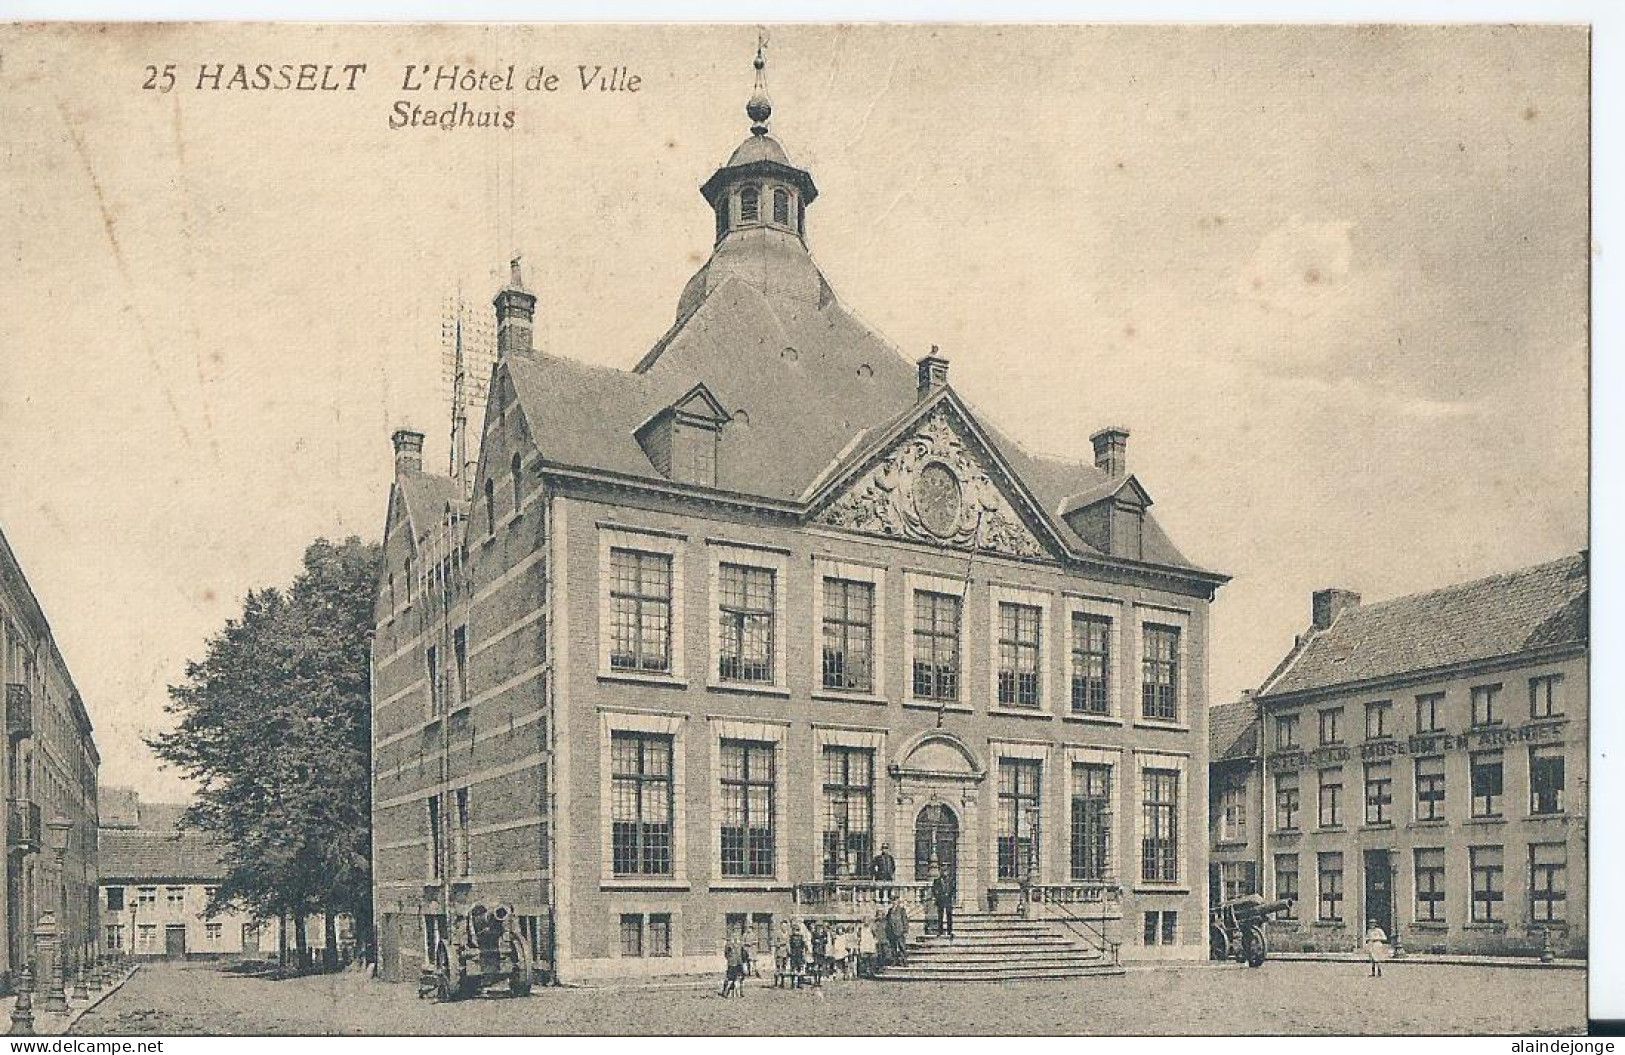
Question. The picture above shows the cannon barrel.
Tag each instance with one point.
(1261, 909)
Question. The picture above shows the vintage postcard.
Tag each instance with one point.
(795, 529)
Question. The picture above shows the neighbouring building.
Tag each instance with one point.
(50, 766)
(695, 639)
(1423, 767)
(156, 882)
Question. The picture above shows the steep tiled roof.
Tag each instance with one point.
(1232, 731)
(808, 384)
(136, 856)
(426, 496)
(1535, 608)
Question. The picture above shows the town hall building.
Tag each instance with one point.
(692, 641)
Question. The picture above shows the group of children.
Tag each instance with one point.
(808, 952)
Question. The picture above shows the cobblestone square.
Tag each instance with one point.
(1279, 998)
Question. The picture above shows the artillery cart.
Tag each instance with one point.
(1236, 928)
(482, 950)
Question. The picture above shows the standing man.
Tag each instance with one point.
(942, 894)
(883, 869)
(897, 932)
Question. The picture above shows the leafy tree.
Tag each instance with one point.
(275, 728)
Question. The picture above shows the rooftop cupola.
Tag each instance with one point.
(758, 187)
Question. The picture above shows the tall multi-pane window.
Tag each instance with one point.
(1018, 655)
(1018, 813)
(1331, 725)
(1091, 822)
(747, 808)
(1430, 788)
(1331, 798)
(1330, 866)
(460, 861)
(641, 803)
(849, 635)
(1379, 793)
(849, 810)
(1159, 841)
(1486, 780)
(516, 479)
(1486, 704)
(1544, 698)
(936, 646)
(1286, 732)
(1430, 895)
(437, 844)
(1287, 800)
(1489, 883)
(1548, 882)
(631, 934)
(1430, 712)
(640, 597)
(1091, 664)
(459, 657)
(1159, 679)
(745, 652)
(1233, 813)
(1286, 883)
(1379, 719)
(1545, 780)
(431, 659)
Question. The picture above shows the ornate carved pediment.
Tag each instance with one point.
(934, 486)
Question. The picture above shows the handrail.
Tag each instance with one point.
(1093, 929)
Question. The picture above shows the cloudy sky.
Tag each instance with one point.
(1332, 279)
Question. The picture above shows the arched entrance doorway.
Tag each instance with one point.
(936, 832)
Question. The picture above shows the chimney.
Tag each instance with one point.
(516, 313)
(933, 374)
(408, 450)
(1111, 450)
(1327, 605)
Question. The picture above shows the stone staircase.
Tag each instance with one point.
(989, 947)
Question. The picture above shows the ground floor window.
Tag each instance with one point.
(146, 937)
(1162, 928)
(645, 935)
(1430, 886)
(1331, 886)
(1489, 891)
(1548, 883)
(1237, 878)
(115, 936)
(1018, 812)
(1286, 883)
(212, 932)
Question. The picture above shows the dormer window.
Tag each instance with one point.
(781, 207)
(681, 439)
(749, 204)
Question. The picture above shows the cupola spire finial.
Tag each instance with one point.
(760, 108)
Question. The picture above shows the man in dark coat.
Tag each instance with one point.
(897, 932)
(942, 895)
(884, 866)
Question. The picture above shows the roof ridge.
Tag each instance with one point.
(1485, 580)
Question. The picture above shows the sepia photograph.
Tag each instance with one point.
(819, 529)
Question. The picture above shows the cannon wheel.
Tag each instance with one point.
(1218, 943)
(519, 981)
(1253, 947)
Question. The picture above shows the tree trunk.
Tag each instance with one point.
(282, 940)
(330, 940)
(300, 943)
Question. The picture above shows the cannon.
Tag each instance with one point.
(481, 950)
(1236, 928)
